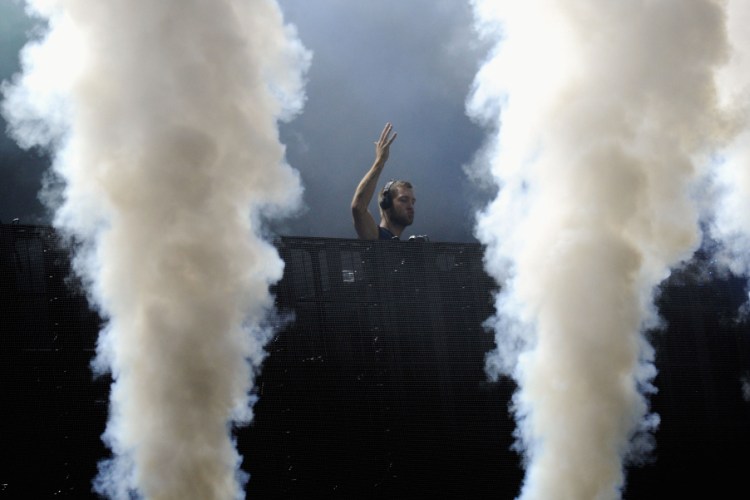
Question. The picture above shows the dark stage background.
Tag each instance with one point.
(376, 389)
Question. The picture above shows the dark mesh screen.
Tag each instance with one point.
(376, 387)
(53, 411)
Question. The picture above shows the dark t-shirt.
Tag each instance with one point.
(385, 234)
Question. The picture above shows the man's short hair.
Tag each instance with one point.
(385, 199)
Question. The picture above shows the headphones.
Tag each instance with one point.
(386, 201)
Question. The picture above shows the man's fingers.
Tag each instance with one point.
(386, 131)
(385, 136)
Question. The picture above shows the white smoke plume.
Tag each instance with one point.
(731, 221)
(607, 116)
(745, 384)
(162, 118)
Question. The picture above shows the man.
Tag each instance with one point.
(396, 200)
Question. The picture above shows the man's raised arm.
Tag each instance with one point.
(364, 223)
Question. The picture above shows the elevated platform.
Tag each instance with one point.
(376, 389)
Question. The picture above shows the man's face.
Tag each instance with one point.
(402, 212)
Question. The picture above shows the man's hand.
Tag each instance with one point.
(383, 145)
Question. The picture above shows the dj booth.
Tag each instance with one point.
(374, 386)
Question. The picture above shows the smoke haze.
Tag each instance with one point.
(608, 118)
(162, 121)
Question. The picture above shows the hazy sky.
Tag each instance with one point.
(20, 172)
(408, 62)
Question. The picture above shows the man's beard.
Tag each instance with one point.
(401, 219)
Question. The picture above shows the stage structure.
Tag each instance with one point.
(374, 386)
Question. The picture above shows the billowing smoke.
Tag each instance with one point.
(607, 119)
(731, 224)
(162, 121)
